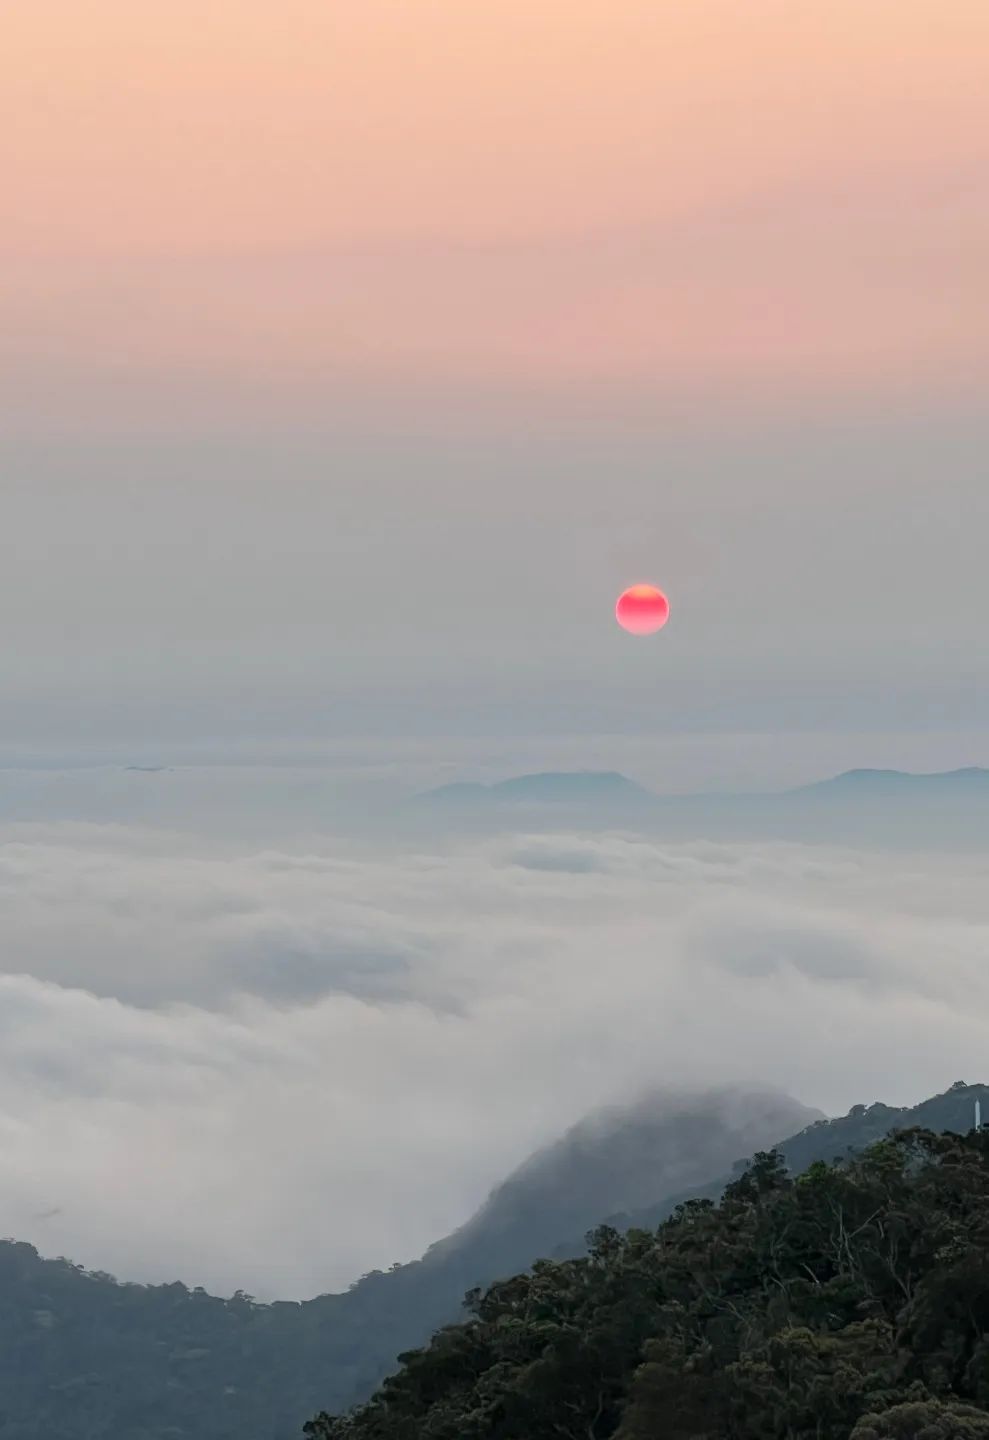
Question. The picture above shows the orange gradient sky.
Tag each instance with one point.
(751, 202)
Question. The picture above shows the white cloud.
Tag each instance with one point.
(277, 1070)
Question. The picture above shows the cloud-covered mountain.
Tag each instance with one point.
(84, 1356)
(662, 1143)
(108, 1359)
(826, 1139)
(248, 1039)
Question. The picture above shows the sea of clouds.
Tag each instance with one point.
(277, 1068)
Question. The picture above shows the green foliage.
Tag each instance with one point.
(924, 1420)
(850, 1303)
(85, 1358)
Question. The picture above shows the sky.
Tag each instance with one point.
(354, 357)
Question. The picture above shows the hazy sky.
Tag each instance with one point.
(354, 356)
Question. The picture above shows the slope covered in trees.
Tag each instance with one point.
(822, 1139)
(83, 1357)
(850, 1302)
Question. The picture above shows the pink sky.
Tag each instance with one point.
(278, 204)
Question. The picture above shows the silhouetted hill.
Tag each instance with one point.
(890, 808)
(559, 788)
(971, 779)
(588, 787)
(84, 1356)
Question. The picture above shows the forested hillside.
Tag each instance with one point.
(954, 1110)
(83, 1357)
(847, 1303)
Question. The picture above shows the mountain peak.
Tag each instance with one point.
(862, 779)
(544, 787)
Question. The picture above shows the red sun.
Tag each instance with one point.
(642, 609)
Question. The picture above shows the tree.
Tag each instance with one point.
(924, 1420)
(849, 1304)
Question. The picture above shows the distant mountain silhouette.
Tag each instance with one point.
(589, 786)
(892, 808)
(901, 782)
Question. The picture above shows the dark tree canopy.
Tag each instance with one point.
(83, 1357)
(849, 1303)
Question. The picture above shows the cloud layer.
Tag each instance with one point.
(277, 1070)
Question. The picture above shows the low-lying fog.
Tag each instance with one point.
(275, 1063)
